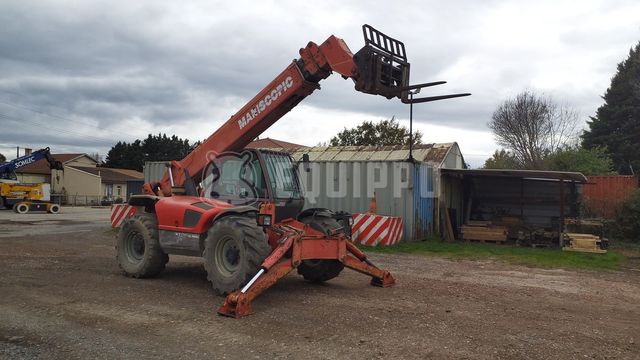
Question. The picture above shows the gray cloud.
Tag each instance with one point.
(116, 71)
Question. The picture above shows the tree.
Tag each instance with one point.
(593, 161)
(3, 158)
(502, 159)
(126, 156)
(97, 157)
(153, 148)
(616, 125)
(385, 132)
(532, 126)
(627, 224)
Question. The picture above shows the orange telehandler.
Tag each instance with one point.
(242, 210)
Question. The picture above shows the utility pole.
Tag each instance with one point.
(411, 93)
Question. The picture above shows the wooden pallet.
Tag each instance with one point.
(490, 233)
(583, 243)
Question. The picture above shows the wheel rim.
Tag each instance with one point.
(227, 256)
(135, 246)
(22, 208)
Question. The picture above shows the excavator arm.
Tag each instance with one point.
(379, 68)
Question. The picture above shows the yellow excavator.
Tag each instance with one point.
(25, 197)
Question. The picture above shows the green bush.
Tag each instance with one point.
(627, 225)
(118, 200)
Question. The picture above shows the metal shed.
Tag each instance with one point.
(410, 190)
(540, 198)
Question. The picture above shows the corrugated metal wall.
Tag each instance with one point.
(154, 170)
(424, 202)
(401, 189)
(604, 194)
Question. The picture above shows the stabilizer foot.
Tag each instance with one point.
(386, 281)
(236, 306)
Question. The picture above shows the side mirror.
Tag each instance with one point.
(305, 163)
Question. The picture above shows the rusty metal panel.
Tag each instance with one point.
(603, 195)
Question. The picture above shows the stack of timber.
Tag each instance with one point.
(583, 243)
(483, 231)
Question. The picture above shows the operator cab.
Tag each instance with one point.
(255, 176)
(8, 177)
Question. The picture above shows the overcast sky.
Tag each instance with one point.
(79, 76)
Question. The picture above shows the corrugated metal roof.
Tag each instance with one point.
(529, 174)
(430, 153)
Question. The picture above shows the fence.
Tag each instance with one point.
(83, 200)
(603, 195)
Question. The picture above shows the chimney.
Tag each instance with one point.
(27, 151)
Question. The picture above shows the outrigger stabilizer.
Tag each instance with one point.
(298, 242)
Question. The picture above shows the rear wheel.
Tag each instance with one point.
(321, 270)
(138, 250)
(234, 250)
(21, 208)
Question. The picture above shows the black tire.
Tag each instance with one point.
(320, 270)
(138, 250)
(21, 208)
(54, 208)
(234, 250)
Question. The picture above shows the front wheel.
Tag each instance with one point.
(138, 250)
(234, 250)
(53, 208)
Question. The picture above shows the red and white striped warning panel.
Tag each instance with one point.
(374, 230)
(120, 212)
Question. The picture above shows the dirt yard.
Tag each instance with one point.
(62, 296)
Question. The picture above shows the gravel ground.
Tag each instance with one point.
(62, 296)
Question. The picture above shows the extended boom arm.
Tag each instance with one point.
(11, 166)
(380, 68)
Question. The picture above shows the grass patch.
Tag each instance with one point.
(535, 257)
